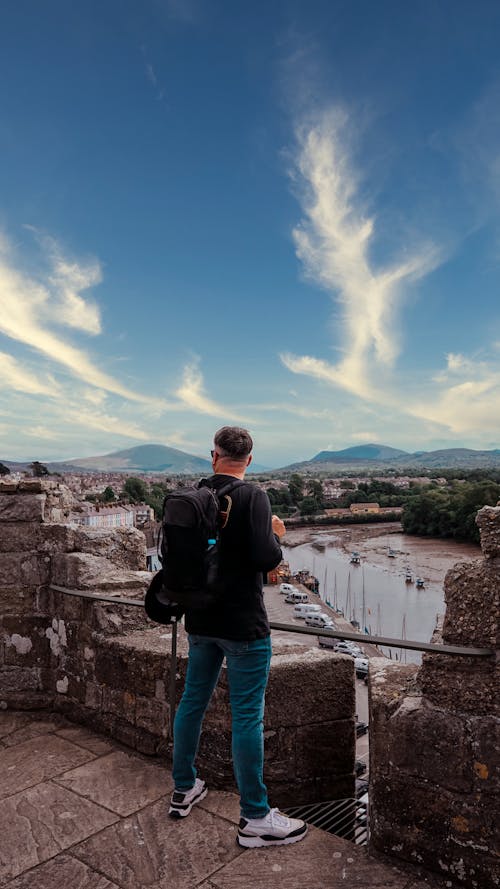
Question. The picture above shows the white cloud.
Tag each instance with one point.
(334, 242)
(14, 376)
(29, 307)
(191, 393)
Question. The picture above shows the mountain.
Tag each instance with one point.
(360, 452)
(374, 456)
(144, 458)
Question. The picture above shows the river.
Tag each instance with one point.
(375, 592)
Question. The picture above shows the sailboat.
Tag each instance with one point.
(403, 636)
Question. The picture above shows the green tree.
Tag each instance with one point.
(108, 495)
(296, 487)
(38, 469)
(135, 490)
(451, 511)
(309, 506)
(4, 470)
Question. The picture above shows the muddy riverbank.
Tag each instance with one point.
(375, 592)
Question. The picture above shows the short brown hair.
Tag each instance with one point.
(233, 442)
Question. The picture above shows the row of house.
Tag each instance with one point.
(130, 516)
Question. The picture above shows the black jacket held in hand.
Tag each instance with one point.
(248, 548)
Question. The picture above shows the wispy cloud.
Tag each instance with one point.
(14, 376)
(152, 75)
(465, 396)
(334, 241)
(30, 307)
(191, 393)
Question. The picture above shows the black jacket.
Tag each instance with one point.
(248, 548)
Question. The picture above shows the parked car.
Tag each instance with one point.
(347, 648)
(288, 588)
(305, 609)
(361, 729)
(296, 596)
(361, 667)
(327, 642)
(320, 620)
(362, 786)
(359, 768)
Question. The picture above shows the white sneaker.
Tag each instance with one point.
(182, 801)
(275, 829)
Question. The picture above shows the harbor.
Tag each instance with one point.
(374, 593)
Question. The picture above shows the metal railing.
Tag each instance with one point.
(436, 648)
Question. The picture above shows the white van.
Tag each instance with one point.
(304, 610)
(319, 620)
(296, 596)
(287, 588)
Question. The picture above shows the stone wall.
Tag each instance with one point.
(435, 735)
(107, 666)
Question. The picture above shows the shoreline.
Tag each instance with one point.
(428, 557)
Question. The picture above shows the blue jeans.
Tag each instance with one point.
(247, 672)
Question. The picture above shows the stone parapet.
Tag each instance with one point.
(105, 665)
(435, 735)
(488, 522)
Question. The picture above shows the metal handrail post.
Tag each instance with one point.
(173, 676)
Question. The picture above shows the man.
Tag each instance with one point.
(237, 629)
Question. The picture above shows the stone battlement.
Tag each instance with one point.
(107, 666)
(435, 735)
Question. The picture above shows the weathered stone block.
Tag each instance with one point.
(485, 735)
(25, 641)
(22, 507)
(310, 790)
(461, 684)
(15, 601)
(472, 594)
(55, 538)
(93, 695)
(84, 571)
(120, 703)
(421, 812)
(19, 537)
(121, 667)
(329, 682)
(152, 715)
(488, 522)
(35, 485)
(444, 752)
(19, 679)
(23, 570)
(325, 749)
(124, 547)
(8, 487)
(280, 754)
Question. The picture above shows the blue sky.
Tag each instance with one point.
(283, 215)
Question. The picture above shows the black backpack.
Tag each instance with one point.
(189, 545)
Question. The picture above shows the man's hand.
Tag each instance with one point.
(278, 526)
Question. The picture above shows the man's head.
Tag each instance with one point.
(232, 450)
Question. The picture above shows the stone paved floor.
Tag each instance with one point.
(79, 811)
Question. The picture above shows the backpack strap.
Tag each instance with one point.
(223, 492)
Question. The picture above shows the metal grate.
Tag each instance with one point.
(346, 818)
